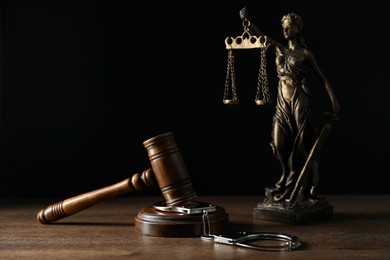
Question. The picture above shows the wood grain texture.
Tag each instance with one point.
(359, 229)
(86, 200)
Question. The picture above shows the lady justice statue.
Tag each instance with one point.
(295, 140)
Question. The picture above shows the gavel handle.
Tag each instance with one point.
(78, 203)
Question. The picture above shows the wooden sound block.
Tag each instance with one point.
(152, 222)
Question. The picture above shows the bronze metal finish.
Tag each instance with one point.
(295, 139)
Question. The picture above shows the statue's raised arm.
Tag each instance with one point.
(253, 29)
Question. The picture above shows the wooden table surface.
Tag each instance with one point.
(359, 229)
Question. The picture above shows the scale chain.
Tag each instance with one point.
(262, 80)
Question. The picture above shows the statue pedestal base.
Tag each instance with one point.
(310, 211)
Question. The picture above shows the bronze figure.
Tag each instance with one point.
(295, 139)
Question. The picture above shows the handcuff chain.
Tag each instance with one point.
(206, 225)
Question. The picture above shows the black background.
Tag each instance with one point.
(83, 84)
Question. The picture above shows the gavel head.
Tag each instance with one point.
(169, 169)
(172, 176)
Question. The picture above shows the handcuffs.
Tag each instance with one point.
(280, 241)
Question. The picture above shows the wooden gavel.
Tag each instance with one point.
(168, 170)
